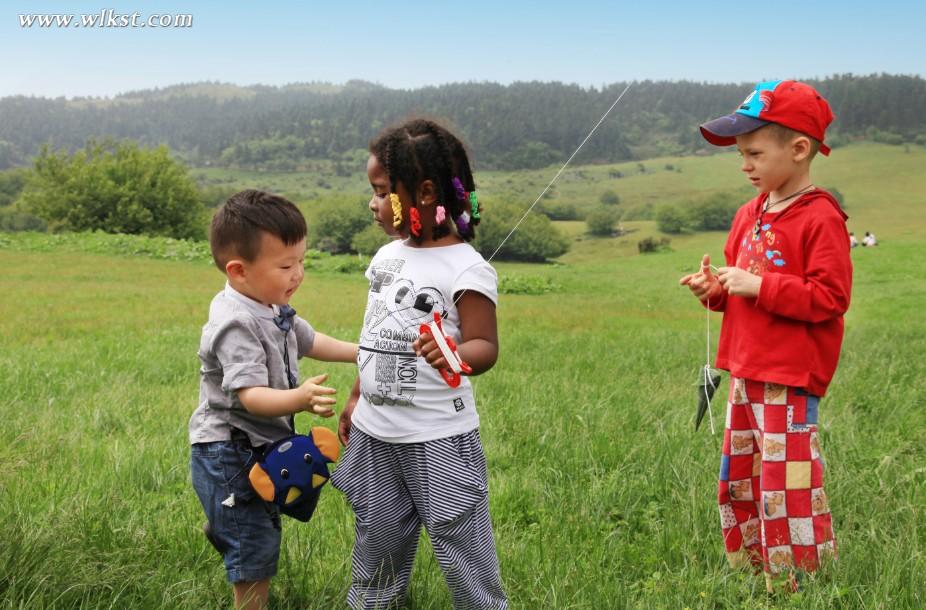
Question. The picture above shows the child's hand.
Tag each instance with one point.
(317, 397)
(703, 284)
(426, 347)
(739, 282)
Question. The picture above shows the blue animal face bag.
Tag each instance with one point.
(293, 470)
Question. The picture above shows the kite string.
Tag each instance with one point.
(544, 191)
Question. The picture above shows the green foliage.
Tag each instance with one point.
(837, 195)
(536, 240)
(334, 221)
(511, 283)
(13, 220)
(559, 211)
(649, 245)
(11, 185)
(602, 220)
(521, 125)
(114, 187)
(370, 240)
(712, 213)
(609, 197)
(671, 219)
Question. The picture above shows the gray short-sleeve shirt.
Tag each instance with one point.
(241, 347)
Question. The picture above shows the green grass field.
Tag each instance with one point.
(602, 494)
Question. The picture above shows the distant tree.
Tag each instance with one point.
(11, 185)
(559, 211)
(370, 240)
(713, 213)
(536, 240)
(115, 188)
(670, 219)
(609, 197)
(602, 220)
(334, 221)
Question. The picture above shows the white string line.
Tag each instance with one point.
(544, 192)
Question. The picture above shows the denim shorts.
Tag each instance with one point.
(243, 524)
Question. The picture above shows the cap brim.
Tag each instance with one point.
(723, 131)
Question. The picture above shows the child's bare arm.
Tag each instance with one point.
(330, 349)
(479, 330)
(348, 412)
(269, 402)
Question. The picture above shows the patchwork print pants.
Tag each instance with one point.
(394, 489)
(772, 507)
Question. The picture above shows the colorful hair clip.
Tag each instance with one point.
(463, 223)
(440, 214)
(396, 210)
(475, 204)
(415, 218)
(458, 186)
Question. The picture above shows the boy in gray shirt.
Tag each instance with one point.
(249, 387)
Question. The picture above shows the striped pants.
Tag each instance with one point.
(394, 489)
(773, 510)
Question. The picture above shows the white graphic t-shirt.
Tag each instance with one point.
(403, 399)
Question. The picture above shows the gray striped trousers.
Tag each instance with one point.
(395, 488)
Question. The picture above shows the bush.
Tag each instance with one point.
(609, 197)
(713, 213)
(12, 183)
(13, 220)
(651, 244)
(536, 240)
(525, 284)
(559, 211)
(334, 221)
(370, 240)
(601, 220)
(116, 188)
(670, 219)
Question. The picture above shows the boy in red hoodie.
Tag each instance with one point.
(783, 291)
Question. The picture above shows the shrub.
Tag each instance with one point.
(601, 220)
(609, 197)
(334, 221)
(713, 213)
(116, 188)
(536, 239)
(651, 244)
(369, 241)
(670, 219)
(559, 211)
(525, 284)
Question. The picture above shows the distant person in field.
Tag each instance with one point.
(869, 240)
(414, 455)
(249, 380)
(853, 241)
(783, 291)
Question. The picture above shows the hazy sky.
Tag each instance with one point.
(407, 44)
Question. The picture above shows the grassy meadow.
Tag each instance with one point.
(602, 494)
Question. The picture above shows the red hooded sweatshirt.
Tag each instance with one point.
(792, 333)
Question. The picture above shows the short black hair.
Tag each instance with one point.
(421, 149)
(237, 225)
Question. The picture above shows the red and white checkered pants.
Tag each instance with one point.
(772, 507)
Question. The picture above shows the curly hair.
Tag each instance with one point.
(419, 150)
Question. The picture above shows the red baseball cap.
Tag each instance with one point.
(786, 102)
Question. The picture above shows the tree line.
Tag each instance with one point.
(517, 126)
